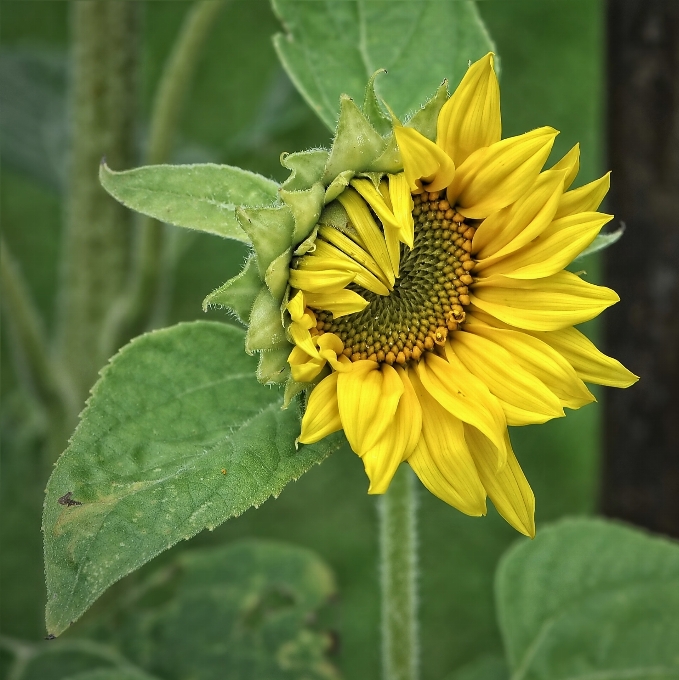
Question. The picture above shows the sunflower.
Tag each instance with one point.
(431, 308)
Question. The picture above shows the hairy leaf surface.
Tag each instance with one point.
(332, 48)
(178, 436)
(590, 599)
(202, 197)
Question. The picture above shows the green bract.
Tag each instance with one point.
(364, 145)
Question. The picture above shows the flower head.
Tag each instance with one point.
(421, 281)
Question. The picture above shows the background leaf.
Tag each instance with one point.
(177, 437)
(333, 48)
(202, 197)
(603, 241)
(590, 599)
(251, 610)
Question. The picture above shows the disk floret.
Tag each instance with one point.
(428, 298)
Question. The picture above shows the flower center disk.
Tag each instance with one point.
(429, 295)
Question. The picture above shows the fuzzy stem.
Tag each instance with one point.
(133, 314)
(96, 239)
(398, 549)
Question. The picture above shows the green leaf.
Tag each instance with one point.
(590, 599)
(245, 611)
(603, 241)
(333, 48)
(202, 197)
(177, 437)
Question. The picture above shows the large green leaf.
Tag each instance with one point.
(203, 197)
(590, 599)
(177, 437)
(246, 611)
(332, 48)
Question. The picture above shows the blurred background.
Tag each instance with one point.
(603, 75)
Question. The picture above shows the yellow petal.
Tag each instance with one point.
(513, 227)
(302, 338)
(548, 304)
(590, 364)
(508, 489)
(540, 360)
(585, 199)
(470, 119)
(525, 400)
(495, 176)
(402, 203)
(372, 237)
(340, 304)
(441, 458)
(296, 306)
(304, 368)
(327, 281)
(571, 164)
(398, 441)
(427, 167)
(352, 249)
(463, 395)
(552, 250)
(321, 417)
(368, 397)
(330, 348)
(321, 260)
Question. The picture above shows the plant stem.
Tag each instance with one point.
(132, 316)
(398, 551)
(96, 239)
(39, 374)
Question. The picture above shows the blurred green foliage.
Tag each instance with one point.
(244, 111)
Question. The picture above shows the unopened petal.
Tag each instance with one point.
(427, 167)
(327, 281)
(470, 119)
(402, 204)
(340, 304)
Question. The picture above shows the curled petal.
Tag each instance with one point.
(304, 368)
(427, 167)
(321, 417)
(571, 164)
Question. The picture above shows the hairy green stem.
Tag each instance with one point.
(398, 555)
(133, 314)
(96, 239)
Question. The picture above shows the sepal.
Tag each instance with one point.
(238, 294)
(307, 168)
(273, 366)
(372, 109)
(276, 277)
(270, 230)
(306, 206)
(266, 331)
(424, 120)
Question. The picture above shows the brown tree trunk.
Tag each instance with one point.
(641, 462)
